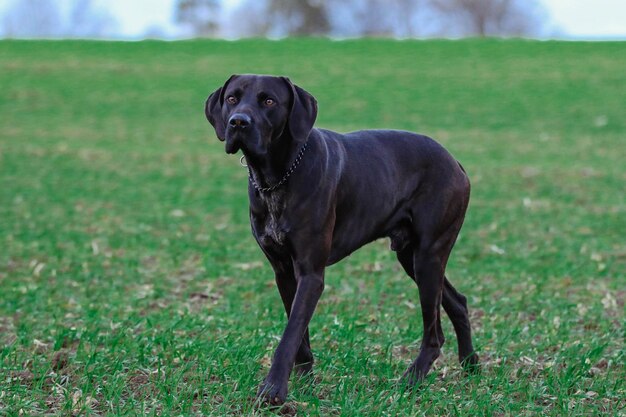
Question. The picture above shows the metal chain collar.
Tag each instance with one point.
(283, 179)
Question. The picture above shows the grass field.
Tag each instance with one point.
(130, 283)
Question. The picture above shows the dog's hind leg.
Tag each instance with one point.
(455, 305)
(429, 278)
(405, 256)
(435, 225)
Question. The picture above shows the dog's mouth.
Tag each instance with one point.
(250, 142)
(235, 139)
(232, 145)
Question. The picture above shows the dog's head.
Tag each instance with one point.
(257, 112)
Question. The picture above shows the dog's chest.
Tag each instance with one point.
(272, 227)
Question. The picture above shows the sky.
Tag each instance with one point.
(574, 19)
(579, 19)
(589, 18)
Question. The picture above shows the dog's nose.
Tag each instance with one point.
(240, 120)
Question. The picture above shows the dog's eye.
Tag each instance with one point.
(269, 102)
(231, 100)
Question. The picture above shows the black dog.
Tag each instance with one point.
(316, 196)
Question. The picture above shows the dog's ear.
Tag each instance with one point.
(303, 112)
(213, 109)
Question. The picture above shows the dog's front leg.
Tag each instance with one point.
(287, 286)
(310, 284)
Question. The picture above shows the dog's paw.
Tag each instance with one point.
(412, 377)
(272, 393)
(470, 364)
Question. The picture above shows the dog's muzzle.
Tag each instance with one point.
(238, 125)
(232, 144)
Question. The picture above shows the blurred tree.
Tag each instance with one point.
(374, 17)
(490, 17)
(201, 16)
(407, 11)
(398, 18)
(43, 19)
(300, 17)
(86, 21)
(280, 18)
(324, 17)
(379, 17)
(249, 18)
(32, 19)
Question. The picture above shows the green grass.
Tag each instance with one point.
(130, 283)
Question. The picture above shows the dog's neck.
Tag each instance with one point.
(269, 169)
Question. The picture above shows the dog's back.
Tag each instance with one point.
(384, 176)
